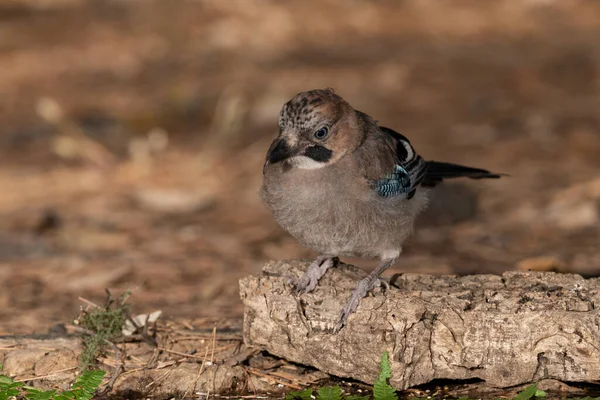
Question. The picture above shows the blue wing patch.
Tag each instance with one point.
(395, 183)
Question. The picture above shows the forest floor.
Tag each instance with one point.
(133, 134)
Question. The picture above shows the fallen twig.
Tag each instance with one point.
(279, 381)
(53, 373)
(116, 371)
(197, 376)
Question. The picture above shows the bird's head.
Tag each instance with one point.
(316, 129)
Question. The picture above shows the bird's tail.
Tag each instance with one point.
(438, 171)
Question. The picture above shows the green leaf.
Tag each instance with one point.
(10, 385)
(83, 388)
(539, 393)
(86, 384)
(89, 380)
(300, 395)
(5, 380)
(381, 389)
(385, 369)
(67, 395)
(35, 394)
(9, 388)
(527, 393)
(357, 397)
(329, 393)
(6, 395)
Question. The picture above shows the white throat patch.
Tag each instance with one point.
(304, 162)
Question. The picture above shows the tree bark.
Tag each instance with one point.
(506, 330)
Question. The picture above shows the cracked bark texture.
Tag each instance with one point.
(507, 330)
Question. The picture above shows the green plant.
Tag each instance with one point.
(305, 394)
(8, 387)
(329, 393)
(101, 325)
(83, 389)
(530, 392)
(381, 390)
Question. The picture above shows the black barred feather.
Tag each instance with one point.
(411, 170)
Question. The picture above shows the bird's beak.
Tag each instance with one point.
(280, 150)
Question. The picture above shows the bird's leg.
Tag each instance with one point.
(369, 283)
(314, 273)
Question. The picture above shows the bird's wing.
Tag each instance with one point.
(395, 169)
(408, 171)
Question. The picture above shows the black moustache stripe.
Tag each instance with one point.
(318, 153)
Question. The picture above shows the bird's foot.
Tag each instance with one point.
(308, 282)
(364, 287)
(379, 283)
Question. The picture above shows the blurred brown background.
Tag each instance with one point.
(133, 133)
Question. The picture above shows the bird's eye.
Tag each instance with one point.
(322, 133)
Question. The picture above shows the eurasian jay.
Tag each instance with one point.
(344, 186)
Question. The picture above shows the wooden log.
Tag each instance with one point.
(506, 330)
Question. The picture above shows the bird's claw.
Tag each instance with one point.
(379, 283)
(361, 291)
(308, 282)
(364, 287)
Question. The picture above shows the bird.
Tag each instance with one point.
(343, 185)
